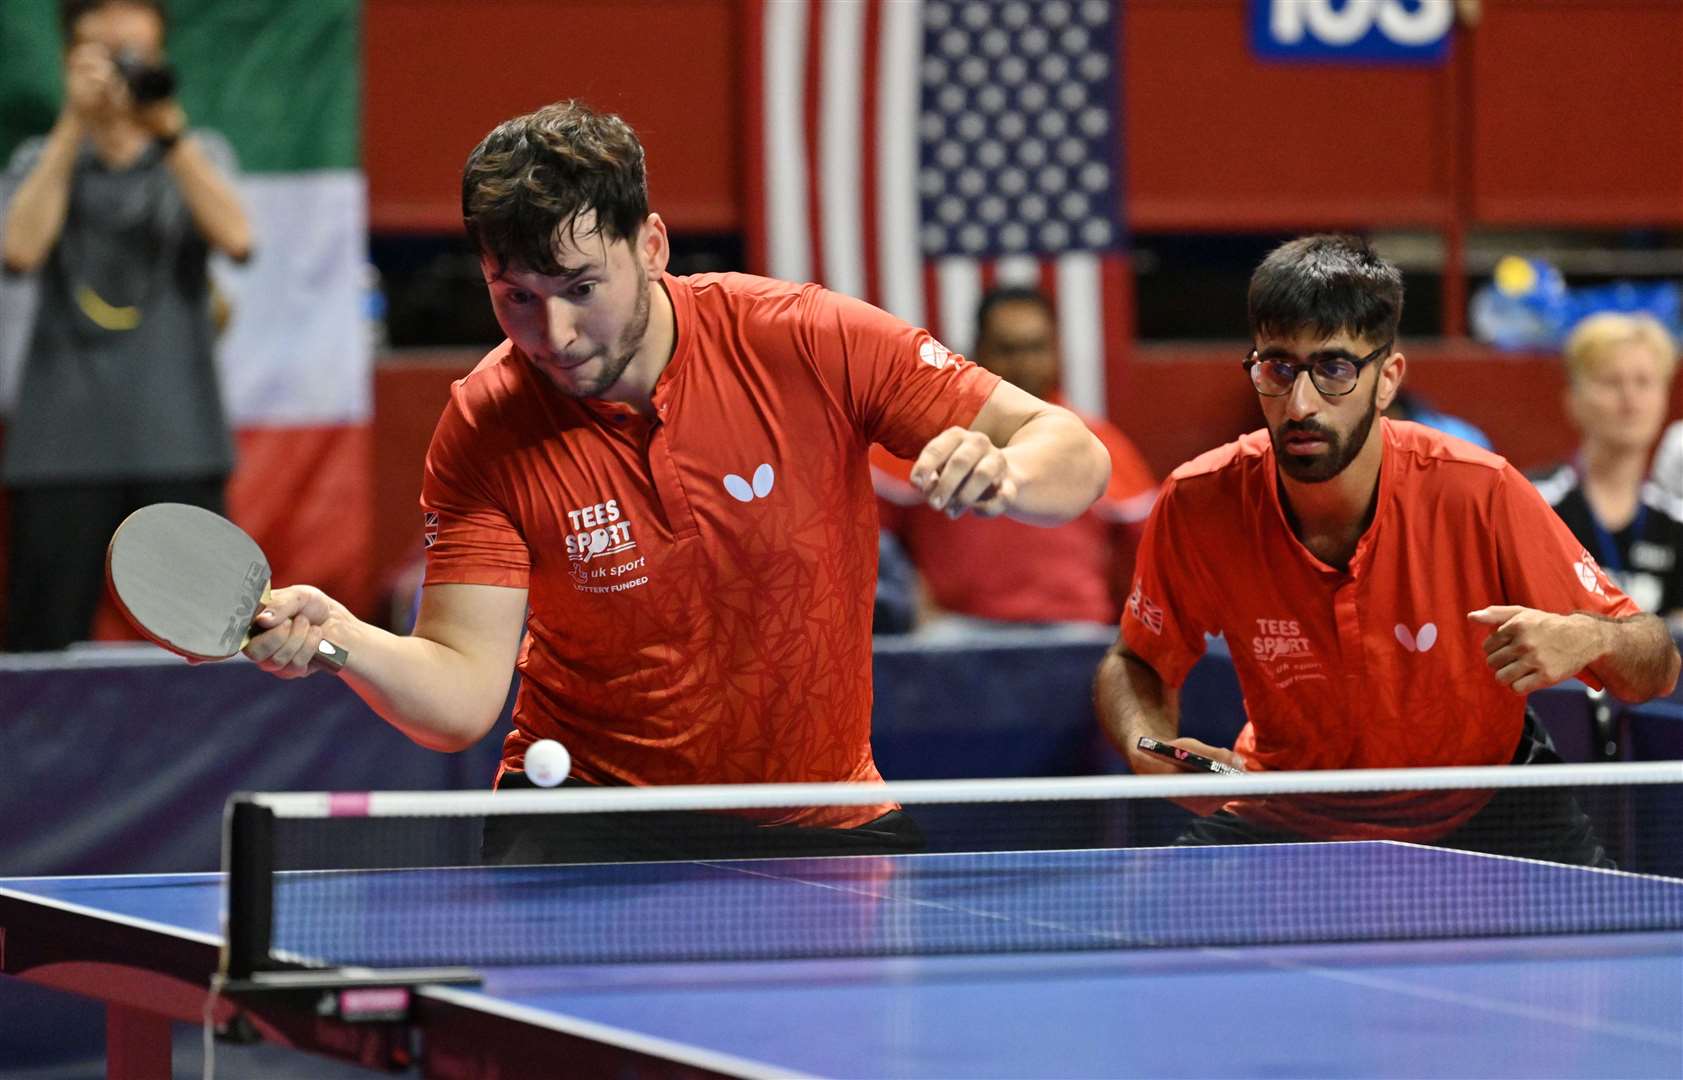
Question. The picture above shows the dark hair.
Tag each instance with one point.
(1326, 284)
(1007, 294)
(71, 11)
(535, 174)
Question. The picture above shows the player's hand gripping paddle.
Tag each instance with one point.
(193, 581)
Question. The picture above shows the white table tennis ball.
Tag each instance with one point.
(547, 763)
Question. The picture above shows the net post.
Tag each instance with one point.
(248, 859)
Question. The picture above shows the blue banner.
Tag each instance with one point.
(1352, 31)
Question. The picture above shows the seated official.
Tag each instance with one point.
(1619, 369)
(996, 569)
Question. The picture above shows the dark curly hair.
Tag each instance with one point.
(536, 174)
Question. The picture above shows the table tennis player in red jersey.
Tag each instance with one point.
(1389, 593)
(671, 473)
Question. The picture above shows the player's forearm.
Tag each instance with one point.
(1059, 466)
(35, 217)
(1634, 657)
(1132, 701)
(440, 698)
(210, 198)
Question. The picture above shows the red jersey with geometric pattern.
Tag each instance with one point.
(700, 582)
(1378, 665)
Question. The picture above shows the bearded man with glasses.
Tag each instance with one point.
(1389, 593)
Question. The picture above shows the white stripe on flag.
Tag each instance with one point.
(959, 280)
(1017, 270)
(297, 350)
(899, 253)
(838, 148)
(788, 248)
(1081, 330)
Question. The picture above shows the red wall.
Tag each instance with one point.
(1217, 139)
(1578, 113)
(1565, 111)
(440, 74)
(409, 395)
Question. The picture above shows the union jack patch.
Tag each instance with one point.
(1141, 608)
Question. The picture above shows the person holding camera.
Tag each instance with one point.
(115, 211)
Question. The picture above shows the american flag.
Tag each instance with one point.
(916, 152)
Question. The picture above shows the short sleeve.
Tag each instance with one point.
(22, 160)
(901, 386)
(1543, 565)
(1164, 619)
(469, 535)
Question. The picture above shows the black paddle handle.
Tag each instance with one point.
(330, 656)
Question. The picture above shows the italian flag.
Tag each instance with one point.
(281, 81)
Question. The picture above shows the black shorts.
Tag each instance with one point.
(1530, 823)
(677, 834)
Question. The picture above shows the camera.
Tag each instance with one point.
(148, 82)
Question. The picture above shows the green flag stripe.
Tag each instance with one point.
(31, 78)
(280, 78)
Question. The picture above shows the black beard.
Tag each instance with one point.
(625, 349)
(1339, 452)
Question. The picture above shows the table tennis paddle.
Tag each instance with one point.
(193, 581)
(1186, 759)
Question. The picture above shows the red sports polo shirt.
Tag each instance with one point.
(1377, 666)
(998, 568)
(700, 584)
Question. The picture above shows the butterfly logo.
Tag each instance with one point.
(1421, 641)
(742, 491)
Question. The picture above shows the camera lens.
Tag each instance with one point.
(147, 82)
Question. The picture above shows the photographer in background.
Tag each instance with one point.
(117, 209)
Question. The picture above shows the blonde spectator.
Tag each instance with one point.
(1619, 369)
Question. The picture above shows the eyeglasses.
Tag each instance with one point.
(1334, 372)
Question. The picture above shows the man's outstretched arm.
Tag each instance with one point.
(1634, 657)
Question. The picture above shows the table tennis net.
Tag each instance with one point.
(589, 875)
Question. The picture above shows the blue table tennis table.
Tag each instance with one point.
(1507, 1001)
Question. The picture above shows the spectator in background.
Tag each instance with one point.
(1618, 388)
(117, 209)
(1000, 570)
